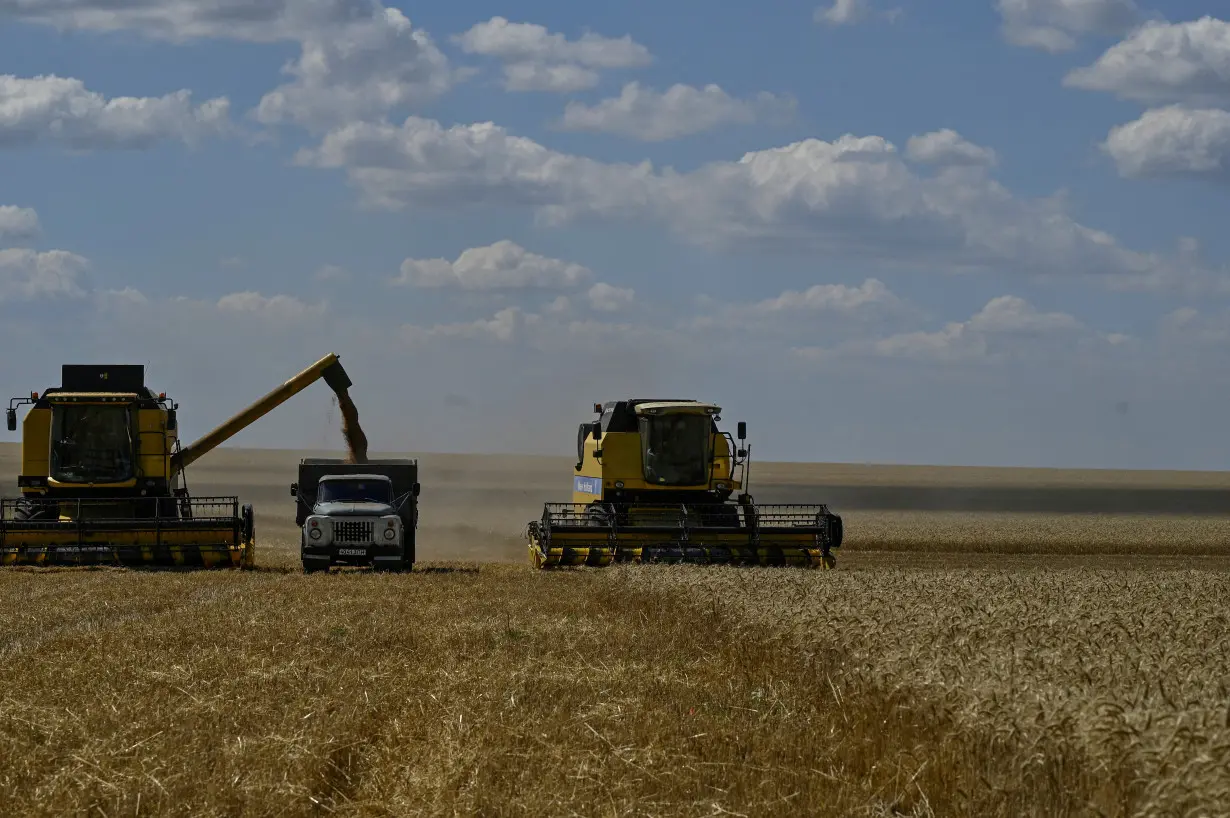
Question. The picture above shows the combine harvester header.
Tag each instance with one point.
(653, 482)
(102, 475)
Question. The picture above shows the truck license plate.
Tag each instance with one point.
(352, 552)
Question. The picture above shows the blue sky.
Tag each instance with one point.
(973, 232)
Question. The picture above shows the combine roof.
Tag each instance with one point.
(84, 396)
(651, 406)
(620, 415)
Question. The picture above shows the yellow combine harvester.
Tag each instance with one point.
(653, 482)
(102, 475)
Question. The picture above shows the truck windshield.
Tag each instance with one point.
(354, 491)
(91, 444)
(676, 449)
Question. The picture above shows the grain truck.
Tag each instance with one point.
(363, 514)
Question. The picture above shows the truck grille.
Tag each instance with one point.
(352, 531)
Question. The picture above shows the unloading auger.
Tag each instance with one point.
(653, 483)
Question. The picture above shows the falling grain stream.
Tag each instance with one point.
(356, 440)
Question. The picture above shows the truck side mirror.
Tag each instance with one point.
(597, 430)
(743, 430)
(417, 487)
(171, 421)
(12, 419)
(294, 489)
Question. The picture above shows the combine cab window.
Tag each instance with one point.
(354, 491)
(91, 444)
(675, 449)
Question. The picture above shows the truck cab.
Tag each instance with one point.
(357, 514)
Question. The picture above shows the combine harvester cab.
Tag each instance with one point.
(653, 483)
(102, 476)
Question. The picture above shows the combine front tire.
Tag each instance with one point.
(249, 523)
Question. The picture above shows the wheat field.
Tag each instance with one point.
(956, 663)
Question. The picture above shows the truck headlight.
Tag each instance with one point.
(315, 534)
(390, 533)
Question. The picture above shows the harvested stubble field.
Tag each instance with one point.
(1001, 663)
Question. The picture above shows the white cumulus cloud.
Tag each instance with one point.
(1055, 25)
(649, 115)
(829, 298)
(269, 308)
(850, 12)
(18, 222)
(26, 275)
(817, 310)
(843, 12)
(505, 326)
(535, 59)
(1007, 327)
(62, 109)
(1173, 141)
(504, 265)
(357, 58)
(361, 69)
(608, 298)
(421, 161)
(947, 147)
(1164, 62)
(183, 20)
(854, 197)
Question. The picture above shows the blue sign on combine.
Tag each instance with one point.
(587, 485)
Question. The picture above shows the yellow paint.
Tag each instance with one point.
(622, 461)
(36, 443)
(213, 547)
(15, 536)
(154, 443)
